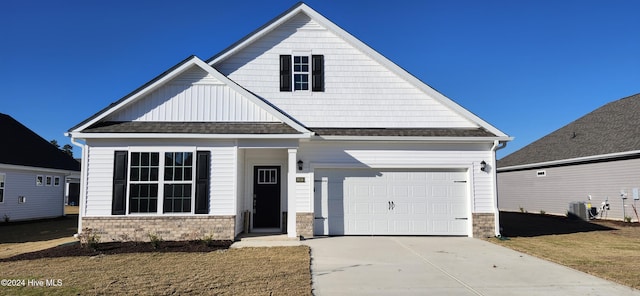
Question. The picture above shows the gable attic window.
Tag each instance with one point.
(298, 71)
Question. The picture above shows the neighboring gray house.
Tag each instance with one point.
(34, 175)
(597, 155)
(297, 127)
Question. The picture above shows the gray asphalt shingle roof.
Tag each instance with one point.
(612, 128)
(25, 148)
(193, 127)
(403, 132)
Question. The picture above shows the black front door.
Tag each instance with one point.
(266, 197)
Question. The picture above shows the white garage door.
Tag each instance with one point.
(391, 202)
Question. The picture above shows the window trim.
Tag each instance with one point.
(56, 181)
(160, 182)
(315, 72)
(39, 180)
(48, 181)
(3, 183)
(300, 72)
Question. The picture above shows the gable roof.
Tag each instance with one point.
(301, 7)
(26, 148)
(91, 124)
(610, 131)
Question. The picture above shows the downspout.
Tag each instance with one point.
(497, 145)
(83, 181)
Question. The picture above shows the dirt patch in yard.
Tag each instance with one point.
(246, 271)
(74, 249)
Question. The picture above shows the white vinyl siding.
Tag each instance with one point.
(223, 180)
(223, 176)
(40, 201)
(193, 99)
(358, 91)
(411, 156)
(99, 188)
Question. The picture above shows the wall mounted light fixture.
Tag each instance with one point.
(483, 165)
(300, 163)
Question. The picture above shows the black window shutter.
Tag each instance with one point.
(118, 204)
(285, 73)
(203, 163)
(317, 73)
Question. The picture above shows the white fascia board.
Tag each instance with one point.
(35, 169)
(368, 51)
(401, 72)
(259, 34)
(569, 160)
(413, 139)
(185, 136)
(195, 61)
(262, 104)
(140, 93)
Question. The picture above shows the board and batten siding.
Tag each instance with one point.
(41, 201)
(99, 189)
(358, 90)
(560, 186)
(411, 156)
(194, 96)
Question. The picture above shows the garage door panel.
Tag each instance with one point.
(423, 202)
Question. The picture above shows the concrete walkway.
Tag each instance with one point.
(441, 266)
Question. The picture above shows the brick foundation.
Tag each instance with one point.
(483, 225)
(168, 228)
(304, 224)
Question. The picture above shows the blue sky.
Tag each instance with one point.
(527, 67)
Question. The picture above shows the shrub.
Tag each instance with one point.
(155, 240)
(89, 239)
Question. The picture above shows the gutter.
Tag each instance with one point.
(497, 145)
(569, 161)
(83, 180)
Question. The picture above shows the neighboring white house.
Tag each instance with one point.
(33, 174)
(597, 154)
(298, 127)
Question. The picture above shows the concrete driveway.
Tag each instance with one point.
(441, 266)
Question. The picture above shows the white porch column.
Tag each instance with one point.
(291, 194)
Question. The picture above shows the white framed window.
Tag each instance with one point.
(48, 180)
(301, 72)
(3, 177)
(161, 180)
(56, 181)
(542, 173)
(267, 176)
(22, 199)
(39, 180)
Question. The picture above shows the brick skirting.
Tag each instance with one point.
(304, 225)
(171, 228)
(483, 225)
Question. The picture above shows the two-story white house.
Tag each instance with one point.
(298, 127)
